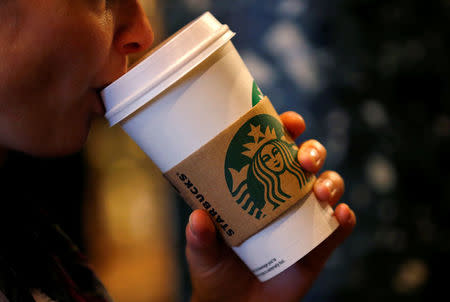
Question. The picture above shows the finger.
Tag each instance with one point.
(329, 187)
(314, 261)
(312, 155)
(202, 246)
(294, 123)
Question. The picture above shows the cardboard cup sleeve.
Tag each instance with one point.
(246, 176)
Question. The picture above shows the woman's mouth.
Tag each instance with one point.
(99, 107)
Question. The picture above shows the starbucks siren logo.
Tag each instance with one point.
(260, 167)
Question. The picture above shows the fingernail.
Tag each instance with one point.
(315, 156)
(329, 184)
(345, 214)
(191, 225)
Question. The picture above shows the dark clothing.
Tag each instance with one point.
(37, 256)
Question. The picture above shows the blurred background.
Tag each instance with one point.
(371, 79)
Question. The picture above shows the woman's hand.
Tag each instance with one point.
(217, 274)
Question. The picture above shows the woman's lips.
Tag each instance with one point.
(99, 106)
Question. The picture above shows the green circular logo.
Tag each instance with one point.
(261, 169)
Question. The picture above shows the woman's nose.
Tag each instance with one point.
(134, 33)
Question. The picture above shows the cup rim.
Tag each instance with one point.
(163, 66)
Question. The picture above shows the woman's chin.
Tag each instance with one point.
(60, 150)
(66, 143)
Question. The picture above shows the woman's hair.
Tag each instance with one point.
(263, 185)
(269, 179)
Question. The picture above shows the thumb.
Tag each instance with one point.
(202, 246)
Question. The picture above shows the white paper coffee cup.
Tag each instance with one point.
(180, 97)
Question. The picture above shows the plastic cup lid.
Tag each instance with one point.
(164, 65)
